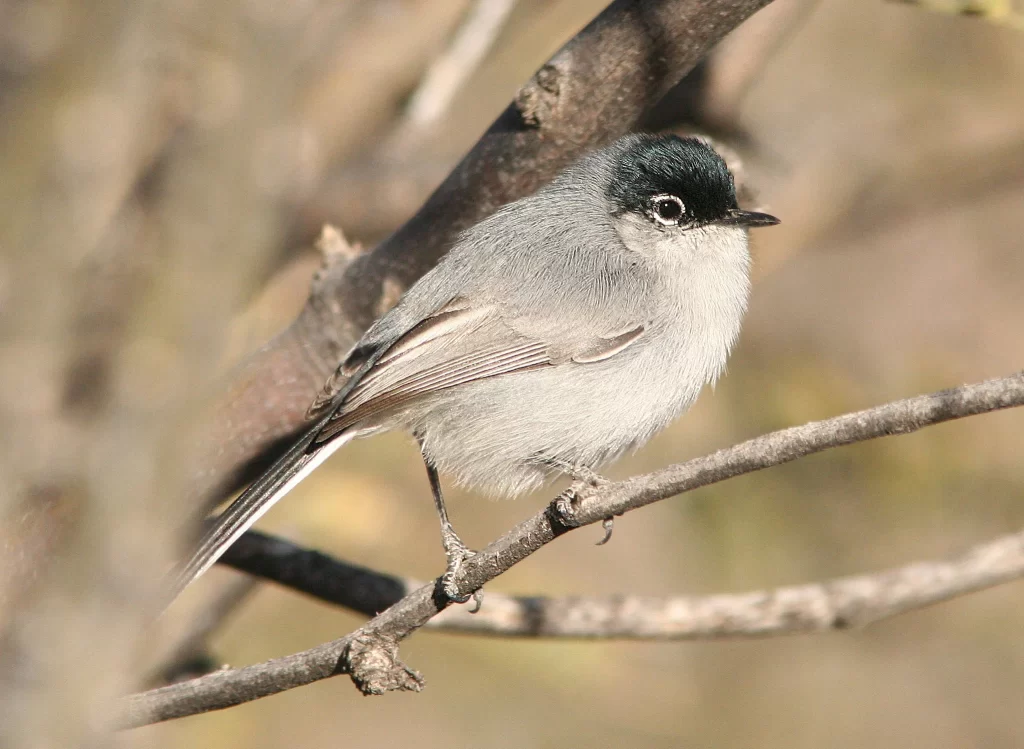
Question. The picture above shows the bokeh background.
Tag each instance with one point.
(142, 141)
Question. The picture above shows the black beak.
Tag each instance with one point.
(748, 219)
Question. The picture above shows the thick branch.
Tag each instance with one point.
(370, 656)
(597, 87)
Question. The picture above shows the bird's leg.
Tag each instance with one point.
(580, 474)
(455, 550)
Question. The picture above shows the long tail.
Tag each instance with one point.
(283, 476)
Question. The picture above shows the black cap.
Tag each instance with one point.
(686, 168)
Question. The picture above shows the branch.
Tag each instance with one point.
(190, 657)
(370, 654)
(597, 87)
(844, 602)
(479, 30)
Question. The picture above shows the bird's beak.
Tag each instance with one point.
(748, 219)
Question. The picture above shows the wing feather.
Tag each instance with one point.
(605, 348)
(444, 375)
(458, 344)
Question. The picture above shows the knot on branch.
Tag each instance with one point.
(373, 663)
(538, 99)
(334, 251)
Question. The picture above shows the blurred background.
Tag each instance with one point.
(164, 169)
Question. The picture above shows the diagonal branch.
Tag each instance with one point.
(370, 654)
(483, 22)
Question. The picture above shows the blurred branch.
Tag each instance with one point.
(370, 654)
(596, 88)
(445, 76)
(316, 574)
(190, 655)
(837, 604)
(119, 226)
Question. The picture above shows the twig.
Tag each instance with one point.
(480, 28)
(370, 654)
(817, 607)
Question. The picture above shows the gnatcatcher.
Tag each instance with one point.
(564, 329)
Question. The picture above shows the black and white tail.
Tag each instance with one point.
(283, 476)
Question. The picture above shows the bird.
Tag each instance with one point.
(566, 328)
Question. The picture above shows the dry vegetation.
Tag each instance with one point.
(164, 171)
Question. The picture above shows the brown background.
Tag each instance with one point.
(891, 143)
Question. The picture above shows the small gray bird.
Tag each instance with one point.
(566, 328)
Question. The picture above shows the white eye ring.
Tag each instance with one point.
(657, 215)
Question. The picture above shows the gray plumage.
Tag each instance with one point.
(564, 329)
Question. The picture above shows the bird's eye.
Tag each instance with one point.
(667, 210)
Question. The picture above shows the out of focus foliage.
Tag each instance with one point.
(1009, 12)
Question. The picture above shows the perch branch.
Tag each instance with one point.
(370, 654)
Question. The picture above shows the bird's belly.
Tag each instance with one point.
(504, 435)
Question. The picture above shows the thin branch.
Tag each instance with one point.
(818, 607)
(844, 602)
(899, 417)
(317, 574)
(445, 76)
(370, 654)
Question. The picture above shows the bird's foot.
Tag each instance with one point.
(565, 504)
(457, 553)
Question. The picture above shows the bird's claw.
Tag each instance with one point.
(564, 506)
(457, 553)
(456, 557)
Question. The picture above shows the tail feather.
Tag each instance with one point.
(291, 468)
(286, 472)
